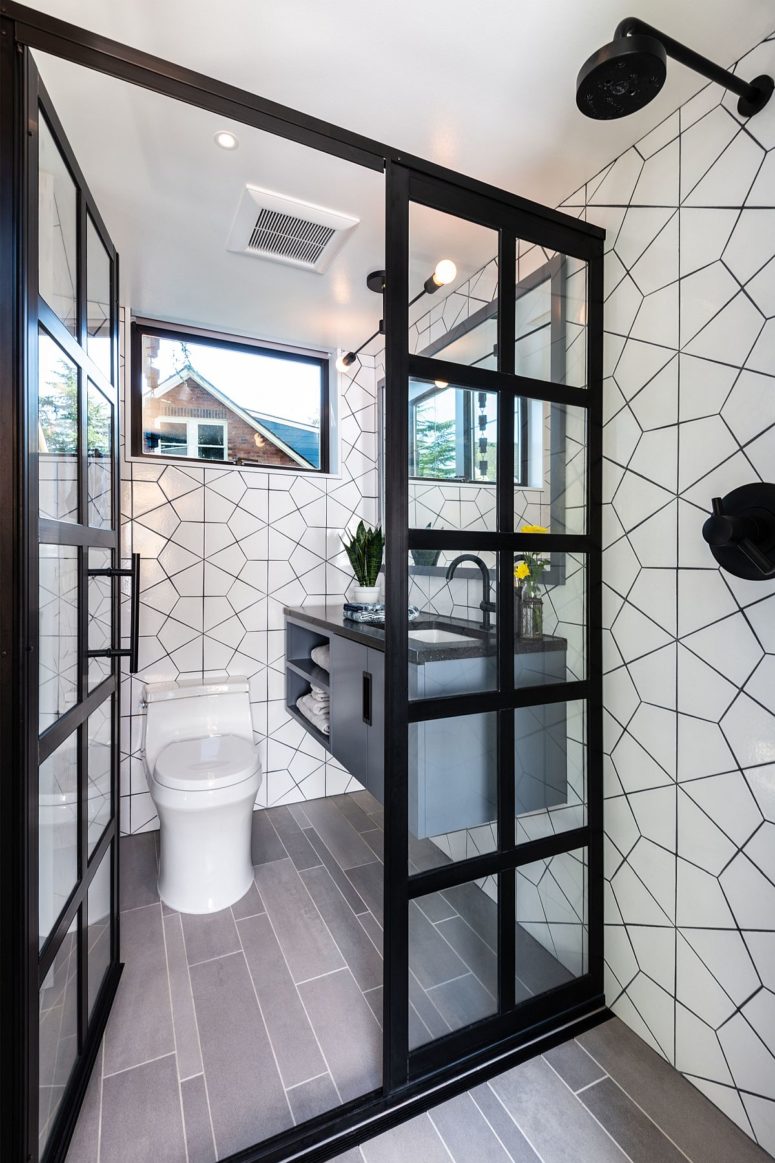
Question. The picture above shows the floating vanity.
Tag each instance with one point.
(452, 762)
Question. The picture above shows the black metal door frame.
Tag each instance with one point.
(406, 187)
(410, 1086)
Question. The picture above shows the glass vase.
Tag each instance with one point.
(531, 617)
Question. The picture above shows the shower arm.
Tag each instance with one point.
(749, 91)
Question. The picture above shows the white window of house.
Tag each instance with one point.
(190, 436)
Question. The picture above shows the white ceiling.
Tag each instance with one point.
(484, 89)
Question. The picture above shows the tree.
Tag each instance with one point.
(434, 446)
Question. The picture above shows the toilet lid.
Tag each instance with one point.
(203, 764)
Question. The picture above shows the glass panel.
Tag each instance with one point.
(100, 615)
(552, 931)
(99, 739)
(98, 933)
(551, 769)
(58, 630)
(58, 1031)
(453, 959)
(58, 832)
(99, 343)
(551, 316)
(549, 617)
(214, 401)
(453, 441)
(453, 789)
(552, 439)
(57, 250)
(452, 640)
(453, 276)
(57, 432)
(99, 438)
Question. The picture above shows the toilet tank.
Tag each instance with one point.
(191, 710)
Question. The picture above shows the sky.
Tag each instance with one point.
(278, 387)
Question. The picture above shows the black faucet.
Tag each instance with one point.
(486, 606)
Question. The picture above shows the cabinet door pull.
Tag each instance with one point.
(367, 698)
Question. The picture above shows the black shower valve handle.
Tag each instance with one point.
(723, 529)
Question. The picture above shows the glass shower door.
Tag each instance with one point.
(493, 866)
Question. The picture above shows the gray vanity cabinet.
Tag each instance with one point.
(357, 700)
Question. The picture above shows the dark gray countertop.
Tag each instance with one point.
(332, 619)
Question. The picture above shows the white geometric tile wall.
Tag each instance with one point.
(690, 651)
(223, 551)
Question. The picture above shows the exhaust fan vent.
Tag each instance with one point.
(285, 230)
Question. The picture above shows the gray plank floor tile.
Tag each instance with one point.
(471, 949)
(635, 1133)
(352, 1156)
(375, 838)
(349, 807)
(574, 1065)
(295, 1046)
(373, 928)
(196, 1120)
(296, 843)
(366, 801)
(313, 1098)
(435, 907)
(464, 1130)
(249, 905)
(299, 815)
(141, 1107)
(431, 1019)
(355, 946)
(347, 1030)
(693, 1123)
(338, 834)
(209, 935)
(479, 910)
(504, 1126)
(306, 942)
(418, 1140)
(536, 967)
(138, 870)
(431, 959)
(140, 1024)
(463, 1000)
(559, 1128)
(247, 1099)
(424, 854)
(266, 845)
(345, 886)
(183, 1016)
(85, 1143)
(368, 880)
(374, 998)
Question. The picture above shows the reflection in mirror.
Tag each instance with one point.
(57, 228)
(57, 432)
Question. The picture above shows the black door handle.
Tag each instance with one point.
(367, 698)
(134, 623)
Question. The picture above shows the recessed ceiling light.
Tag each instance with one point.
(226, 140)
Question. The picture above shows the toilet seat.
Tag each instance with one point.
(207, 763)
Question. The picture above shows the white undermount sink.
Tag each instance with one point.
(438, 637)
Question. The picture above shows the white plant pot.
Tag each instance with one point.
(367, 594)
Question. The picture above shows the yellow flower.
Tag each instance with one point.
(521, 570)
(533, 529)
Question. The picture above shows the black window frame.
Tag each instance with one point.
(141, 328)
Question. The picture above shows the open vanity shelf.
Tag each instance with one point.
(301, 672)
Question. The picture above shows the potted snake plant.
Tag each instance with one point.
(364, 548)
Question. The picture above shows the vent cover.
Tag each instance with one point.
(285, 230)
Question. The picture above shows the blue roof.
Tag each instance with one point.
(303, 440)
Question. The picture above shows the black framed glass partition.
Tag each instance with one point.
(493, 659)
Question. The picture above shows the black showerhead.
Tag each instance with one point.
(621, 77)
(626, 74)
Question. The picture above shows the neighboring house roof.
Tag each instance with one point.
(300, 442)
(304, 438)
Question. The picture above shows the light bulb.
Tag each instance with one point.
(344, 361)
(441, 383)
(444, 272)
(226, 140)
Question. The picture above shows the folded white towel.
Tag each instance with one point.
(318, 718)
(319, 694)
(322, 656)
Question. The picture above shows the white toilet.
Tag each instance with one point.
(203, 776)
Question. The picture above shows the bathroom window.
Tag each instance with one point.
(197, 396)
